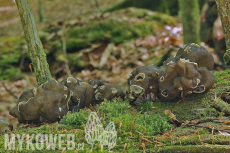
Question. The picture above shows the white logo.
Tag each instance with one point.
(50, 140)
(94, 131)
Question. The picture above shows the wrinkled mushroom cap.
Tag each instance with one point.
(49, 101)
(186, 73)
(96, 83)
(88, 92)
(198, 54)
(78, 99)
(71, 82)
(143, 80)
(180, 79)
(109, 92)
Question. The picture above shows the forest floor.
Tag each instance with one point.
(209, 121)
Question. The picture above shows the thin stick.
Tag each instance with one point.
(10, 92)
(64, 51)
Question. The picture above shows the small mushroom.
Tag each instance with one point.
(109, 92)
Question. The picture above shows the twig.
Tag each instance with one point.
(10, 92)
(64, 51)
(213, 129)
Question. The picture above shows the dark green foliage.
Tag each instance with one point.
(10, 54)
(165, 6)
(74, 45)
(171, 5)
(76, 119)
(9, 72)
(42, 38)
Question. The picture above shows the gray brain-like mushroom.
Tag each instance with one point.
(186, 73)
(82, 93)
(49, 101)
(77, 100)
(109, 92)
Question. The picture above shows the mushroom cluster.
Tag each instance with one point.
(186, 73)
(52, 100)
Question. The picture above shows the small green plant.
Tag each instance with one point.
(145, 106)
(76, 119)
(112, 109)
(153, 124)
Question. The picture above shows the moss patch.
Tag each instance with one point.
(118, 27)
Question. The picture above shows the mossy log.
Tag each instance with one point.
(35, 47)
(221, 105)
(196, 148)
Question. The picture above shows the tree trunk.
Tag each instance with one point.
(189, 10)
(36, 52)
(223, 7)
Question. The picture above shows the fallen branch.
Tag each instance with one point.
(209, 127)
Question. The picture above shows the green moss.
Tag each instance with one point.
(222, 78)
(76, 44)
(76, 119)
(118, 27)
(107, 31)
(132, 121)
(145, 106)
(207, 113)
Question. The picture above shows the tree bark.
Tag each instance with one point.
(36, 52)
(189, 10)
(223, 7)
